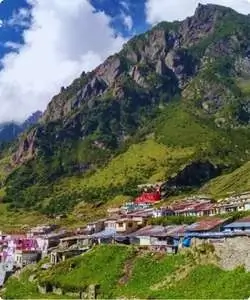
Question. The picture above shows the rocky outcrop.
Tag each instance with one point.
(26, 148)
(192, 176)
(156, 66)
(202, 24)
(164, 49)
(233, 253)
(182, 63)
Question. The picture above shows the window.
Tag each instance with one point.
(120, 224)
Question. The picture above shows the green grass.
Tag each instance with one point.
(149, 270)
(5, 168)
(123, 272)
(18, 288)
(104, 266)
(237, 181)
(145, 162)
(244, 85)
(16, 221)
(22, 288)
(178, 127)
(210, 282)
(148, 161)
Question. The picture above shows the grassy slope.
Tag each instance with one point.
(13, 221)
(148, 161)
(5, 168)
(237, 181)
(122, 272)
(179, 137)
(145, 162)
(178, 127)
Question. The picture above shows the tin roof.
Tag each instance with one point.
(206, 224)
(242, 223)
(177, 230)
(149, 230)
(192, 206)
(160, 231)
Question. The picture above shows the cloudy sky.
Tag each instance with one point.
(45, 44)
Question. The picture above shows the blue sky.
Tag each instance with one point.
(116, 9)
(46, 44)
(10, 33)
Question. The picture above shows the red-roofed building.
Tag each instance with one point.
(150, 198)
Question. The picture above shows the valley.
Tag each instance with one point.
(170, 112)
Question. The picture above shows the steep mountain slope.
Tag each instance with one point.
(181, 84)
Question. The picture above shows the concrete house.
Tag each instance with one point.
(42, 229)
(110, 223)
(146, 235)
(23, 258)
(57, 256)
(80, 241)
(126, 225)
(95, 227)
(159, 238)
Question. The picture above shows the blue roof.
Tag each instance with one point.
(238, 225)
(216, 234)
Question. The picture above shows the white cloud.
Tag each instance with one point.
(170, 10)
(20, 18)
(127, 21)
(65, 38)
(12, 45)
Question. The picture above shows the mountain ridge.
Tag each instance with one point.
(179, 84)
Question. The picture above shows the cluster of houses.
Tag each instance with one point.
(128, 225)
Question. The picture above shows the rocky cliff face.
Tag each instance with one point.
(168, 50)
(194, 58)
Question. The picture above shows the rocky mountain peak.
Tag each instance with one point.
(32, 119)
(204, 10)
(153, 67)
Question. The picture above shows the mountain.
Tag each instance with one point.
(10, 131)
(173, 103)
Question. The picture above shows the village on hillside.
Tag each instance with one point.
(131, 224)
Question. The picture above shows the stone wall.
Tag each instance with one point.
(234, 252)
(89, 293)
(231, 252)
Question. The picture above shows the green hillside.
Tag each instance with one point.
(148, 161)
(123, 272)
(235, 182)
(143, 115)
(145, 162)
(174, 139)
